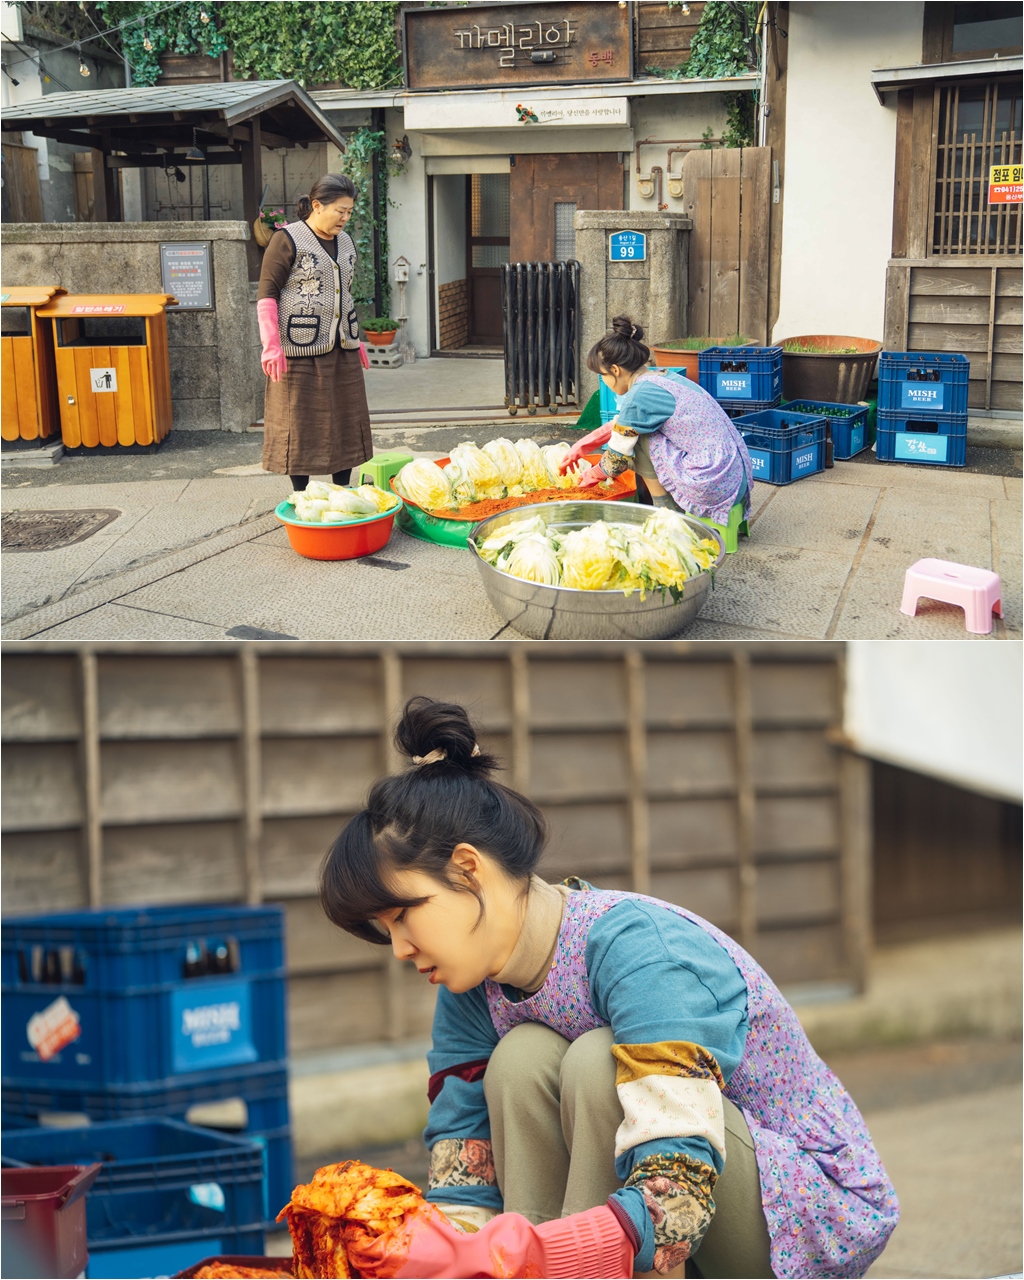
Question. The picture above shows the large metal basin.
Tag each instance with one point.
(566, 613)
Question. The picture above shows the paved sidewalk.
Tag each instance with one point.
(195, 553)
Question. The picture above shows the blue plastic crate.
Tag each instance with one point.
(743, 408)
(938, 442)
(917, 382)
(849, 427)
(749, 374)
(165, 1188)
(102, 997)
(264, 1092)
(783, 446)
(608, 402)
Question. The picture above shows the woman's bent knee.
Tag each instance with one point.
(529, 1053)
(588, 1062)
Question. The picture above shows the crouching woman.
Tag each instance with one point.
(616, 1084)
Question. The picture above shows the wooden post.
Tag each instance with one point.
(991, 337)
(520, 673)
(252, 822)
(391, 682)
(93, 825)
(106, 190)
(745, 799)
(639, 812)
(855, 864)
(252, 189)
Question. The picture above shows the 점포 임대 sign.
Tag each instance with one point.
(185, 270)
(627, 246)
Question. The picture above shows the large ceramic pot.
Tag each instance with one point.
(832, 372)
(666, 358)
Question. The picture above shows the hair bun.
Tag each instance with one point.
(625, 328)
(428, 727)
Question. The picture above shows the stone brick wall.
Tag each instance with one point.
(453, 320)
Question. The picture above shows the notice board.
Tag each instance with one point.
(186, 269)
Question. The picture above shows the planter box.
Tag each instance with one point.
(825, 374)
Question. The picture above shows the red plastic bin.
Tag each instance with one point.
(44, 1220)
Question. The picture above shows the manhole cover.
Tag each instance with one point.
(51, 530)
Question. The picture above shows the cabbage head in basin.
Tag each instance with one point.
(423, 482)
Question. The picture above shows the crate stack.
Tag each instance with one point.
(847, 424)
(784, 445)
(922, 408)
(133, 1013)
(743, 380)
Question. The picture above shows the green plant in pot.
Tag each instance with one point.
(381, 330)
(828, 366)
(684, 353)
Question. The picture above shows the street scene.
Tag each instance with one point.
(474, 270)
(497, 506)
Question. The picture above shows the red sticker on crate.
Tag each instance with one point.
(110, 309)
(53, 1029)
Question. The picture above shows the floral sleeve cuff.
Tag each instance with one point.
(462, 1173)
(676, 1193)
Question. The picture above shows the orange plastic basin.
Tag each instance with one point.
(337, 541)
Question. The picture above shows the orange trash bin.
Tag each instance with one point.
(29, 412)
(113, 369)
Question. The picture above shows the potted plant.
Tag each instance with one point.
(684, 353)
(269, 221)
(828, 366)
(380, 331)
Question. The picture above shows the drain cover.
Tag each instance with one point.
(51, 530)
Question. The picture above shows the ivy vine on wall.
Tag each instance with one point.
(363, 146)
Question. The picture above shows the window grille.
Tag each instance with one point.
(978, 126)
(565, 232)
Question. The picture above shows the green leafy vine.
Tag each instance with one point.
(363, 146)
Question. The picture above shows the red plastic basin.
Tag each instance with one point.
(337, 541)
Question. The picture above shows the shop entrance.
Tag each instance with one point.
(487, 247)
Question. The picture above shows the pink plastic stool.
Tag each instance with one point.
(976, 591)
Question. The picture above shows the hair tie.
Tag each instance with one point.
(632, 331)
(432, 757)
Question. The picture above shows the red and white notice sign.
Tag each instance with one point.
(53, 1028)
(1006, 184)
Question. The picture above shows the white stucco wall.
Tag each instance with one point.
(839, 164)
(407, 232)
(948, 708)
(449, 228)
(683, 118)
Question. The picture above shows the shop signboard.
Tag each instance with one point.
(185, 272)
(493, 46)
(1006, 184)
(627, 246)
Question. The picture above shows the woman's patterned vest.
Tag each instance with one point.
(829, 1205)
(316, 300)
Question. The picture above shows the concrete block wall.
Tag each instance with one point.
(453, 315)
(216, 380)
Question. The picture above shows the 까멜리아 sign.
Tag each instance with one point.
(1006, 184)
(627, 246)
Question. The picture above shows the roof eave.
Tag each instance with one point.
(891, 79)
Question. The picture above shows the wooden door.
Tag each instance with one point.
(727, 193)
(547, 190)
(487, 247)
(22, 198)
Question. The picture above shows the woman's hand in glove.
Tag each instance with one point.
(595, 475)
(272, 358)
(364, 359)
(590, 1244)
(596, 438)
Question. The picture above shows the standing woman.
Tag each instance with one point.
(616, 1084)
(316, 420)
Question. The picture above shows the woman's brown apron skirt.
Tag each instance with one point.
(316, 420)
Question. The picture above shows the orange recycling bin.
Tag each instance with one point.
(113, 370)
(29, 415)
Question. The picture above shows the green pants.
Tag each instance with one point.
(554, 1112)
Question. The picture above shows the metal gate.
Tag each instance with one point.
(541, 319)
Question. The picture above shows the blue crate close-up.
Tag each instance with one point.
(783, 446)
(940, 442)
(141, 996)
(742, 373)
(168, 1193)
(261, 1095)
(912, 382)
(848, 424)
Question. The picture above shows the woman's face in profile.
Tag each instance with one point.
(329, 219)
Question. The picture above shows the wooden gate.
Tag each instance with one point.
(727, 193)
(704, 774)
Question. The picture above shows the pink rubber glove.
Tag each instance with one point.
(364, 359)
(595, 475)
(585, 1245)
(271, 357)
(601, 436)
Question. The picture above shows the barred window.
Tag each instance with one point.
(979, 126)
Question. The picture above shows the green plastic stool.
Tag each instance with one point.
(732, 531)
(380, 469)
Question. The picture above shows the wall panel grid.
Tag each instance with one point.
(707, 775)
